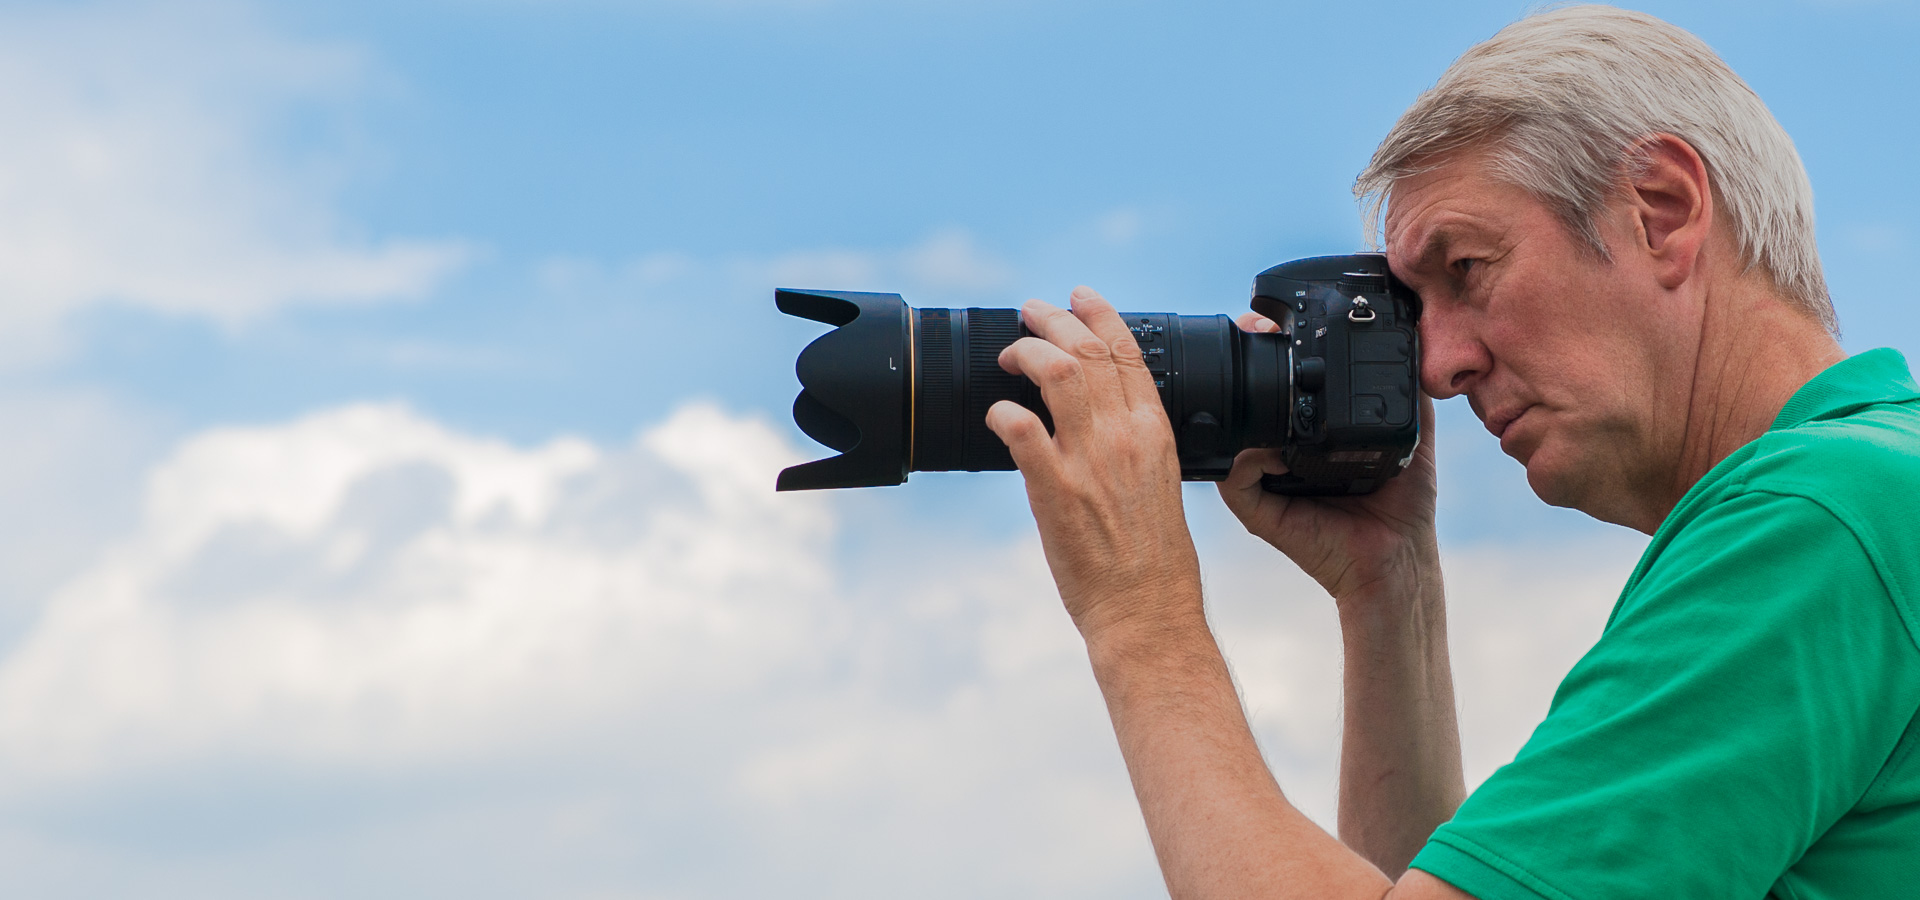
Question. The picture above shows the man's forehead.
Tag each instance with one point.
(1426, 230)
(1437, 183)
(1429, 235)
(1430, 210)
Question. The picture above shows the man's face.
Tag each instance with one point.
(1582, 368)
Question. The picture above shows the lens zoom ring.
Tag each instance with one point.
(934, 418)
(990, 331)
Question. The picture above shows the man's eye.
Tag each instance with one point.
(1463, 266)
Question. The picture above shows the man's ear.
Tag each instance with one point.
(1672, 206)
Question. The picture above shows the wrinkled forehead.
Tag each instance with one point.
(1428, 210)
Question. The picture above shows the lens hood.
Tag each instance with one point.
(855, 388)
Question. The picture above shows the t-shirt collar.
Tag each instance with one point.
(1876, 376)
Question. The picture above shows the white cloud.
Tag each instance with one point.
(364, 592)
(150, 161)
(71, 465)
(363, 585)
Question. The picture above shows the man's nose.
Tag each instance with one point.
(1451, 357)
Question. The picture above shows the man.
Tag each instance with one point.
(1613, 242)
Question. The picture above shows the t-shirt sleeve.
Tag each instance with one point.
(1745, 694)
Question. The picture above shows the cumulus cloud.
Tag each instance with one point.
(70, 462)
(364, 585)
(151, 161)
(363, 592)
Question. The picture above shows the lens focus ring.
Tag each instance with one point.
(934, 421)
(990, 331)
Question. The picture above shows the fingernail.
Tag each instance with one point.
(1084, 293)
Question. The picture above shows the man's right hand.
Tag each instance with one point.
(1374, 546)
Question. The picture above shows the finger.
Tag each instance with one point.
(1429, 420)
(1026, 439)
(1256, 323)
(1241, 489)
(1130, 366)
(1249, 465)
(1065, 330)
(1062, 380)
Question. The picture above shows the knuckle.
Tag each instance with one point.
(1090, 347)
(1125, 349)
(1060, 368)
(1052, 314)
(1151, 418)
(1021, 429)
(1021, 352)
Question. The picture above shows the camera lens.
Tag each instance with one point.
(898, 390)
(1215, 381)
(958, 377)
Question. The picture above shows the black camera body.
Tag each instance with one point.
(898, 390)
(1354, 341)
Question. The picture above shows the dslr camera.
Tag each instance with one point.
(895, 390)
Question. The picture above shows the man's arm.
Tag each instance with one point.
(1400, 772)
(1105, 491)
(1378, 557)
(1221, 826)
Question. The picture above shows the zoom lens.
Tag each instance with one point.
(1223, 388)
(898, 390)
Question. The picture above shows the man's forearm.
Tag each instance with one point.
(1219, 823)
(1104, 486)
(1400, 752)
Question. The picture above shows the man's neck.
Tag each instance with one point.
(1755, 352)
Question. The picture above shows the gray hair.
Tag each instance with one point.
(1562, 100)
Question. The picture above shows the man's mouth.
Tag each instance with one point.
(1500, 422)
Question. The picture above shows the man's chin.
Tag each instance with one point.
(1555, 482)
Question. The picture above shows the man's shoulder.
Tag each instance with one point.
(1860, 466)
(1863, 470)
(1864, 462)
(1850, 436)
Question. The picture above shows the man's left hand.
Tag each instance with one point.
(1105, 486)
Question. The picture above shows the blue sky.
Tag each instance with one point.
(1159, 152)
(396, 387)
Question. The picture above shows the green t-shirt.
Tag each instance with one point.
(1746, 725)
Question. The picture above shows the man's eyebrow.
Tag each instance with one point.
(1435, 244)
(1439, 242)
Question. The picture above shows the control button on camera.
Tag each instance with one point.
(1313, 373)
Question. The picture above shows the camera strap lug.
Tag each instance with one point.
(1362, 311)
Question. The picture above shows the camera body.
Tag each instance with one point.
(899, 390)
(1353, 337)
